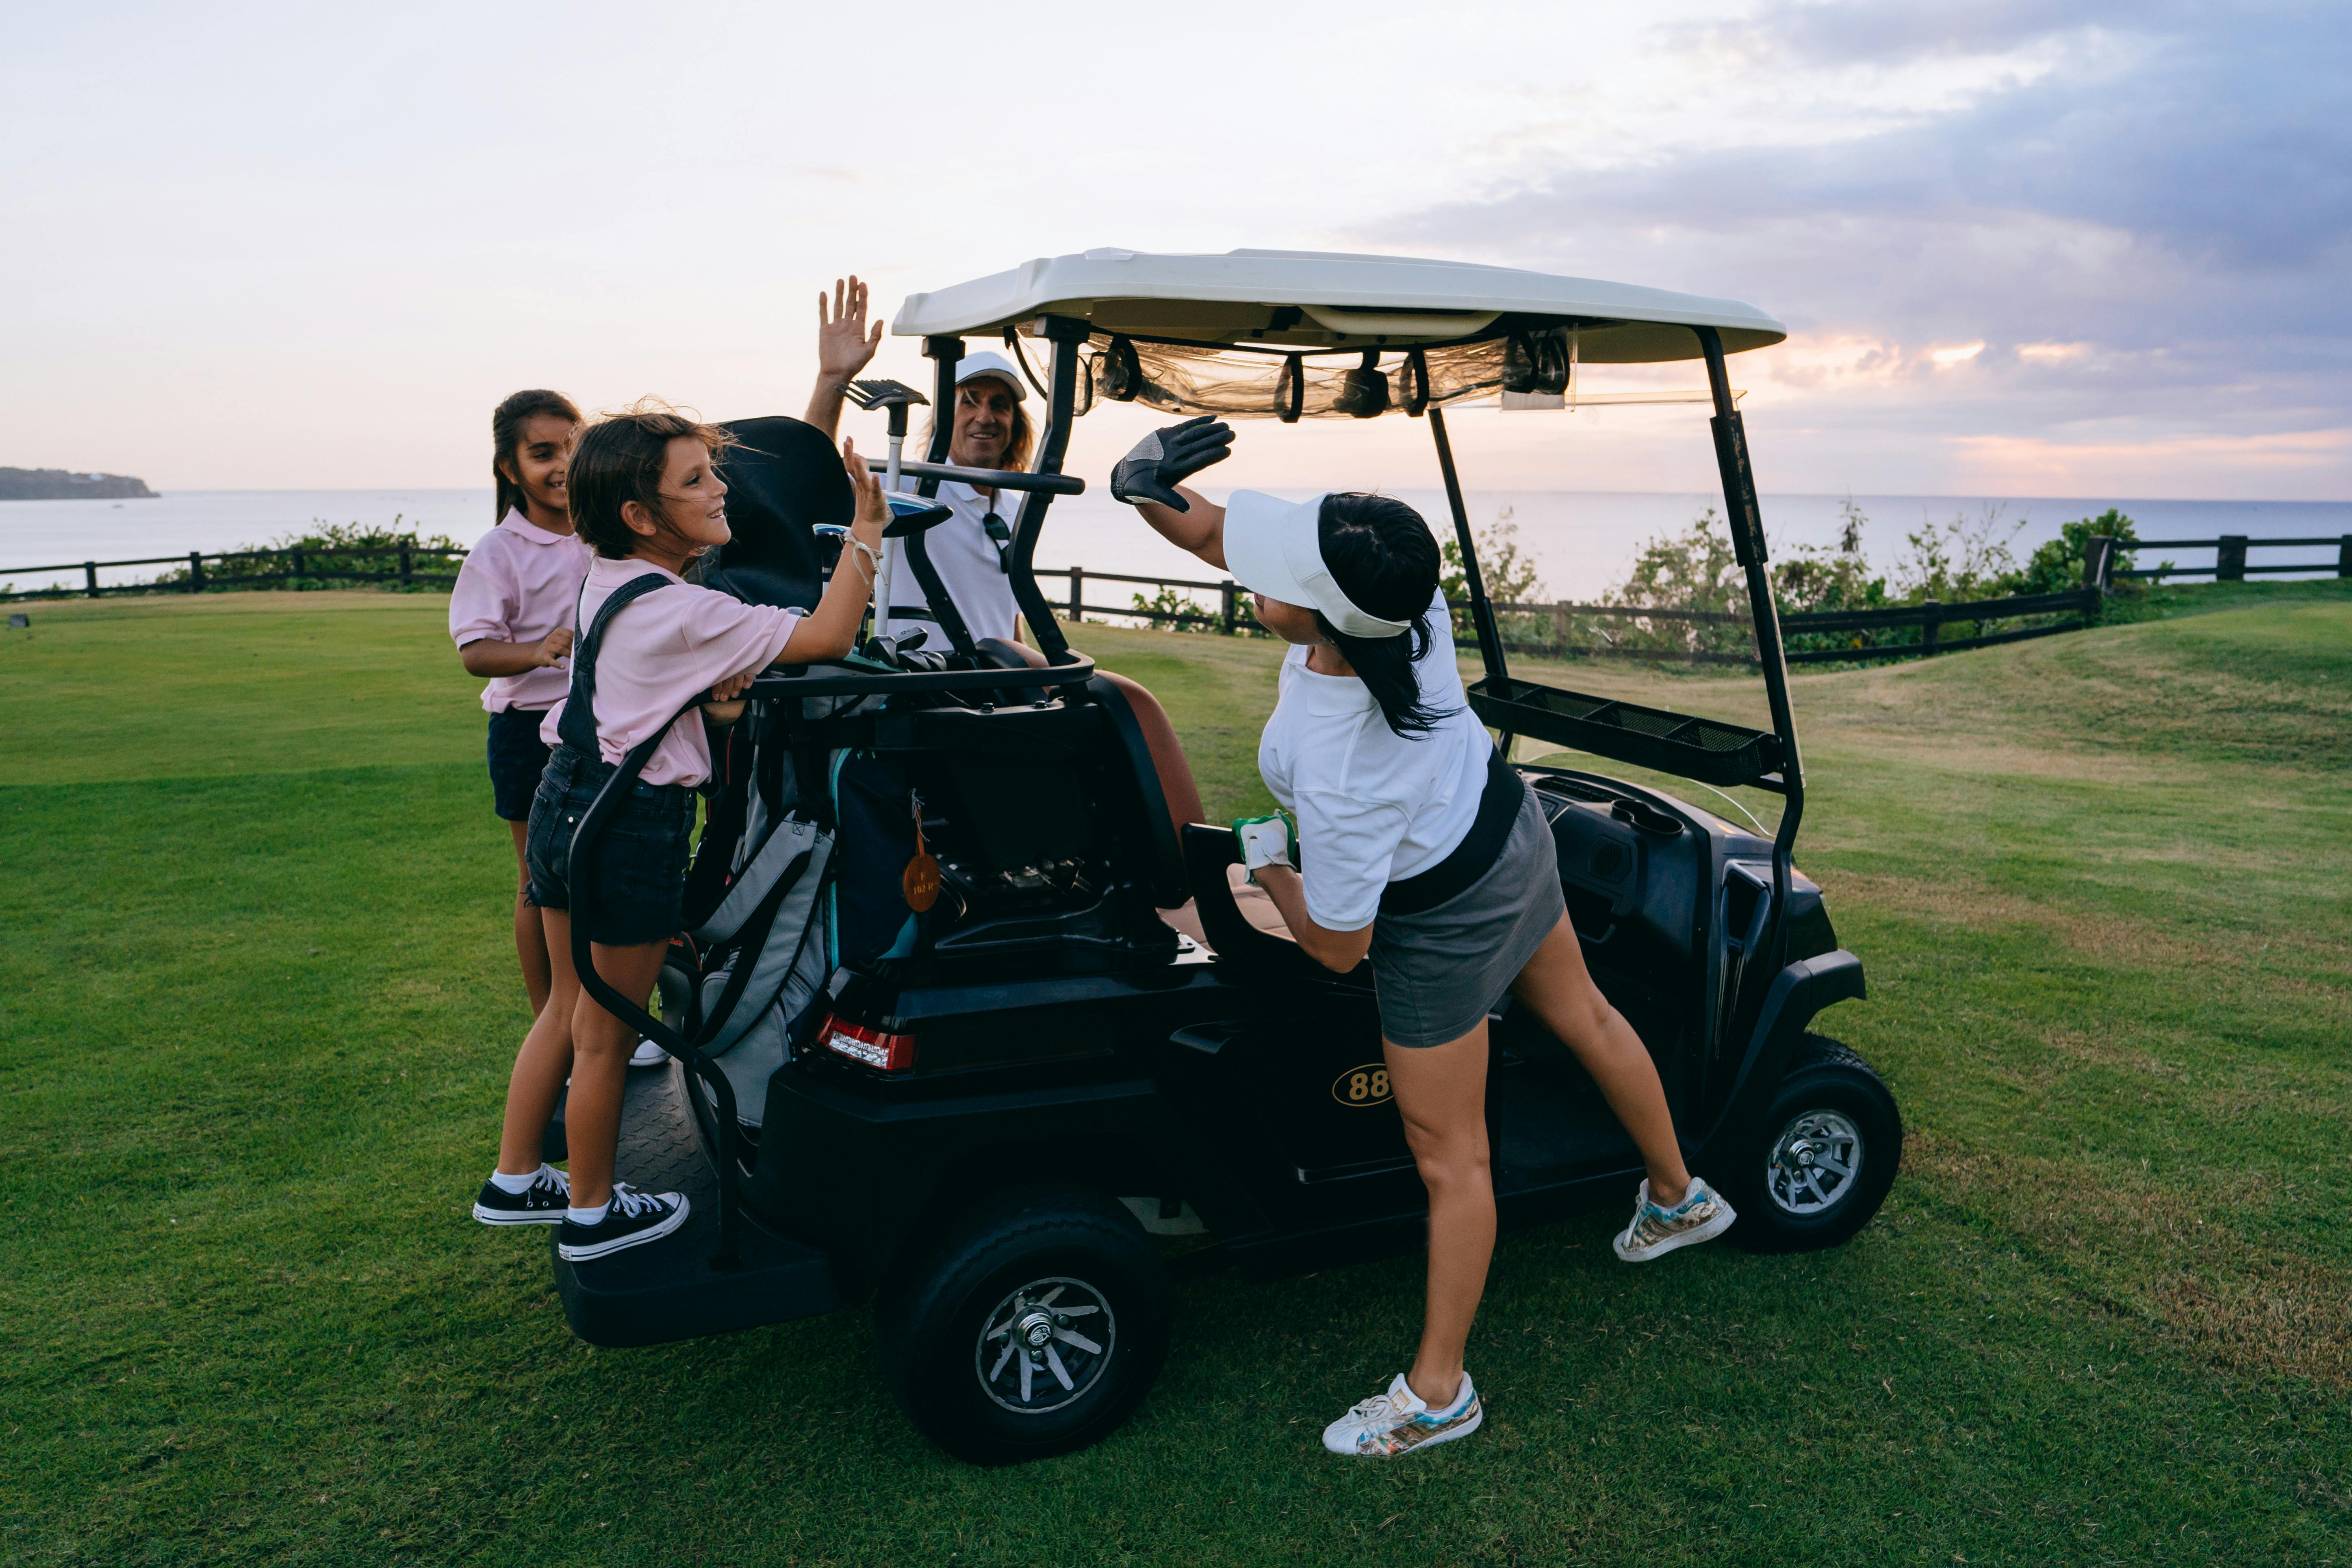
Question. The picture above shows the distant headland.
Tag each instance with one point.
(56, 484)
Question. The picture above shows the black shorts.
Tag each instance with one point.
(640, 857)
(518, 756)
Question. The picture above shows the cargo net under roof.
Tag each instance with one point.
(1290, 385)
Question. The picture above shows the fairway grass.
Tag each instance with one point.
(257, 1004)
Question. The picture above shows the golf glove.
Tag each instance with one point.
(1166, 459)
(1266, 841)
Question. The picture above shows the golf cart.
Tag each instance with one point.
(970, 1025)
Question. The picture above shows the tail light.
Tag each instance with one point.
(863, 1043)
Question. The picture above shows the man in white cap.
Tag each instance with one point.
(989, 429)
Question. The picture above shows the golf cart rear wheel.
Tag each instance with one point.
(1820, 1158)
(1032, 1324)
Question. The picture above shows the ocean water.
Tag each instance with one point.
(1581, 541)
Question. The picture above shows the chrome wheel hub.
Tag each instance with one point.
(1813, 1163)
(1044, 1345)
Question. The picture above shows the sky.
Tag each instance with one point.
(2067, 248)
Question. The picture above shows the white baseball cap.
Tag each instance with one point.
(987, 364)
(1275, 547)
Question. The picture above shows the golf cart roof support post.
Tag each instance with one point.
(1764, 615)
(946, 353)
(730, 1255)
(1482, 615)
(1066, 333)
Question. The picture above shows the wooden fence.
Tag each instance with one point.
(405, 564)
(2229, 557)
(1547, 629)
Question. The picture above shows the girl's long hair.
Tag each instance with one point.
(506, 435)
(1382, 557)
(620, 459)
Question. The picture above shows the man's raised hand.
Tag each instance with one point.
(1166, 459)
(843, 345)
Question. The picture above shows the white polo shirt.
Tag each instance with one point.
(969, 565)
(1373, 806)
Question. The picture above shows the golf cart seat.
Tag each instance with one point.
(1178, 788)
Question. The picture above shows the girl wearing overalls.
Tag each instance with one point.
(647, 495)
(1426, 853)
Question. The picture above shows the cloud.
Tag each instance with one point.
(2140, 212)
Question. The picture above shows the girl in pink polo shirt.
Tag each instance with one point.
(646, 494)
(510, 616)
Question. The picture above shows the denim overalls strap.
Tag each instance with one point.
(578, 726)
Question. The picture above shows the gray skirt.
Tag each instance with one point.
(1441, 970)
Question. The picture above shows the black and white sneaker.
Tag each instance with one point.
(632, 1219)
(541, 1203)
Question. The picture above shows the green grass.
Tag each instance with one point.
(257, 1007)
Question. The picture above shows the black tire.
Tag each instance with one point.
(1004, 1260)
(1831, 1108)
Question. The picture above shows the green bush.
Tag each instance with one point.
(2057, 565)
(378, 561)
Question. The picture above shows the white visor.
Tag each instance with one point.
(972, 366)
(1274, 547)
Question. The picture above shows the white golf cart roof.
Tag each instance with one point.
(1312, 300)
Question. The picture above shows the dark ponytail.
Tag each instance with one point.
(1382, 557)
(506, 435)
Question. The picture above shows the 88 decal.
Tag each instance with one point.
(1362, 1086)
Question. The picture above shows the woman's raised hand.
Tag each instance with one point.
(843, 345)
(1166, 459)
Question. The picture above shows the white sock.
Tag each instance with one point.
(513, 1186)
(588, 1216)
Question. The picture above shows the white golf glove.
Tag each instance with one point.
(1266, 841)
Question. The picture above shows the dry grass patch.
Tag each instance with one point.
(2144, 1250)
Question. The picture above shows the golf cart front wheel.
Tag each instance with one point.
(1033, 1323)
(1820, 1158)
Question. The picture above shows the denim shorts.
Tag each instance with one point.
(639, 886)
(518, 756)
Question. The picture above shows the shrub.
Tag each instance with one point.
(2057, 565)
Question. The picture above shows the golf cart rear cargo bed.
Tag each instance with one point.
(667, 1289)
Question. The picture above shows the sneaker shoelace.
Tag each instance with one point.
(633, 1202)
(549, 1179)
(1380, 1408)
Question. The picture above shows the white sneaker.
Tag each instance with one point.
(647, 1055)
(1397, 1422)
(1702, 1215)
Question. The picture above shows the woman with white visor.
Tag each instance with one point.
(1426, 853)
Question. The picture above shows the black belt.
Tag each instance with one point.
(1498, 809)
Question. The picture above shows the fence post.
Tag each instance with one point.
(195, 572)
(404, 566)
(297, 561)
(89, 577)
(2098, 561)
(1932, 627)
(2344, 557)
(1226, 589)
(1559, 629)
(1077, 593)
(2229, 559)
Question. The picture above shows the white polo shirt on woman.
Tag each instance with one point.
(1373, 806)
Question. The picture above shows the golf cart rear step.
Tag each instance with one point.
(667, 1289)
(1707, 749)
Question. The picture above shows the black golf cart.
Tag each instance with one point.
(983, 1099)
